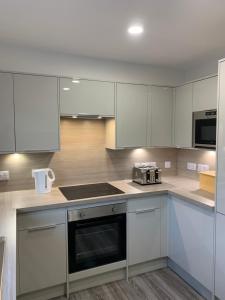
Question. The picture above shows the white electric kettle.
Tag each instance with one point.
(43, 182)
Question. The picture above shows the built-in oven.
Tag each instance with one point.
(96, 236)
(204, 129)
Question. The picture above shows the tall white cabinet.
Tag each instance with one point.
(36, 113)
(220, 194)
(7, 134)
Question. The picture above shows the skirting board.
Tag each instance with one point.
(45, 294)
(196, 285)
(97, 271)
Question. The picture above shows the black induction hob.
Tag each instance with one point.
(89, 191)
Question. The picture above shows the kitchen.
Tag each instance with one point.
(108, 159)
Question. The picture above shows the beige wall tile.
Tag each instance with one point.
(196, 156)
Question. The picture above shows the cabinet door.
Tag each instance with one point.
(190, 239)
(7, 136)
(143, 236)
(86, 97)
(183, 116)
(36, 113)
(220, 258)
(205, 94)
(131, 115)
(42, 258)
(220, 183)
(160, 116)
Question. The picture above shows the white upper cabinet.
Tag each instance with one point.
(88, 97)
(183, 116)
(36, 113)
(160, 116)
(7, 135)
(131, 115)
(205, 94)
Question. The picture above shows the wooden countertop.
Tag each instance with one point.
(29, 200)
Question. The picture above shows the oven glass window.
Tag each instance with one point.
(205, 131)
(95, 242)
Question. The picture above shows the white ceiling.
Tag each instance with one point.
(178, 33)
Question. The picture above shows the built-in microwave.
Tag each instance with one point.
(204, 129)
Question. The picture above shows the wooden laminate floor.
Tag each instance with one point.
(162, 284)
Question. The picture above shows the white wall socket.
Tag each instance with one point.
(203, 167)
(167, 164)
(191, 166)
(4, 175)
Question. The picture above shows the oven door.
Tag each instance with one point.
(205, 133)
(96, 242)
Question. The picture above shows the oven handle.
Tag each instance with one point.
(141, 211)
(39, 228)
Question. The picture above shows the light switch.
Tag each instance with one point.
(167, 164)
(4, 175)
(191, 166)
(203, 167)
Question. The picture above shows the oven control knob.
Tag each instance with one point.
(82, 214)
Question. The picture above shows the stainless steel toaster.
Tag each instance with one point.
(143, 174)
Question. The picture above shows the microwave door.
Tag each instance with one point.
(205, 133)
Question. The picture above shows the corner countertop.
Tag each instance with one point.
(187, 189)
(12, 203)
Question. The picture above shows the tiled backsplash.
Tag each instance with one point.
(83, 158)
(194, 156)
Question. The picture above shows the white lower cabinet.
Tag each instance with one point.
(41, 252)
(220, 257)
(190, 240)
(144, 230)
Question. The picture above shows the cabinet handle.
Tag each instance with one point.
(38, 228)
(141, 211)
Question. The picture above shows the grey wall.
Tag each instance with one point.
(201, 70)
(37, 61)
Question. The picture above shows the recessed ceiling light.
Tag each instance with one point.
(75, 81)
(135, 29)
(66, 89)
